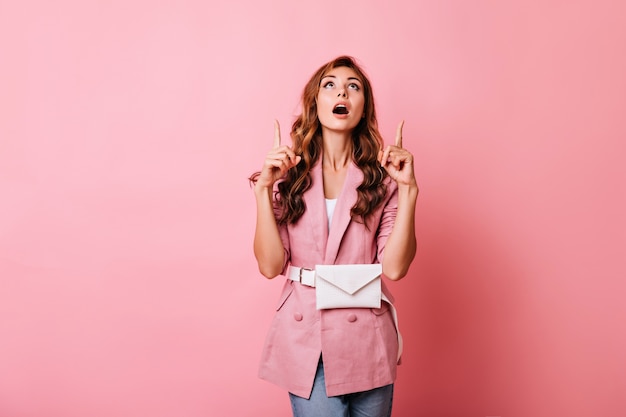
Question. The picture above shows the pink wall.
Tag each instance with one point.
(128, 285)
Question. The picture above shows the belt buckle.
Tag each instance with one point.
(300, 274)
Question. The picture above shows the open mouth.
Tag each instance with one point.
(340, 109)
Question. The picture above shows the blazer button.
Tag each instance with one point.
(351, 317)
(297, 316)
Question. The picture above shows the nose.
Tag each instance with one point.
(342, 93)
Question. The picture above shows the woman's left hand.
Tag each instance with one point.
(398, 161)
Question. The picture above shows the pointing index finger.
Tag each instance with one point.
(399, 135)
(276, 134)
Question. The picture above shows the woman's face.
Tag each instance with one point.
(340, 100)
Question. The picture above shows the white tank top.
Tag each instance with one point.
(330, 209)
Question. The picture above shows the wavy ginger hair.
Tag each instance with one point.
(306, 134)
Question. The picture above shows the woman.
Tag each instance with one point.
(337, 197)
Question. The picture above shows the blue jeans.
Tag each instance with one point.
(372, 403)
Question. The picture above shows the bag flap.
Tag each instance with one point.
(349, 278)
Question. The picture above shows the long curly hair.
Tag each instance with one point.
(306, 135)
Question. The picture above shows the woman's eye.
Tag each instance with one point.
(329, 84)
(354, 86)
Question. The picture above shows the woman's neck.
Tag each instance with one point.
(337, 150)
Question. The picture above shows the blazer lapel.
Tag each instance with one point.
(341, 217)
(316, 208)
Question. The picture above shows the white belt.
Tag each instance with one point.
(304, 276)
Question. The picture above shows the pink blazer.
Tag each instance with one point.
(359, 345)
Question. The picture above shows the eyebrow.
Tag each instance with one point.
(349, 78)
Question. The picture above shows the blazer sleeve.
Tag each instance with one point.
(387, 219)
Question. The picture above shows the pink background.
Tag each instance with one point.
(128, 286)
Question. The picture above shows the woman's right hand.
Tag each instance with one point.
(277, 162)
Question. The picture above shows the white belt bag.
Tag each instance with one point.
(343, 286)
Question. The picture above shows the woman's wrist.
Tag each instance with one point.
(262, 190)
(410, 190)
